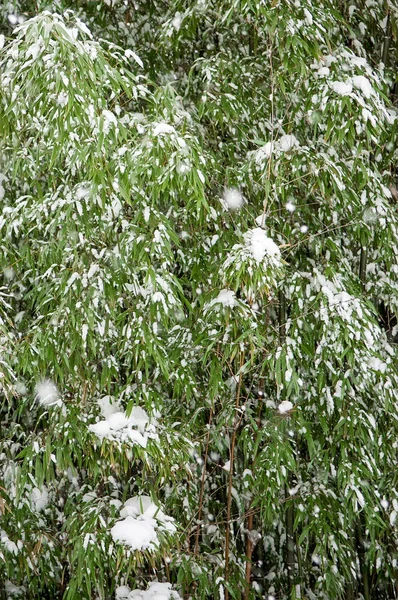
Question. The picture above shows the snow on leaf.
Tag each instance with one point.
(342, 88)
(163, 128)
(232, 199)
(261, 246)
(285, 407)
(142, 519)
(47, 393)
(130, 54)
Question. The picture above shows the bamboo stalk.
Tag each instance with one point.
(282, 317)
(231, 469)
(349, 591)
(290, 541)
(362, 562)
(362, 264)
(202, 486)
(3, 595)
(249, 553)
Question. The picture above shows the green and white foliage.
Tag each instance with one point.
(198, 224)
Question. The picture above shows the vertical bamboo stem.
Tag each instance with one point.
(290, 542)
(249, 553)
(362, 562)
(231, 470)
(290, 545)
(362, 265)
(202, 486)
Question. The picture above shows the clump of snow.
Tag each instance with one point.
(117, 426)
(62, 99)
(155, 591)
(20, 388)
(232, 199)
(89, 496)
(108, 406)
(284, 144)
(9, 274)
(308, 17)
(139, 535)
(362, 83)
(39, 499)
(14, 590)
(176, 22)
(339, 302)
(225, 298)
(323, 71)
(261, 246)
(8, 544)
(285, 407)
(377, 365)
(140, 524)
(108, 119)
(343, 303)
(342, 88)
(162, 128)
(82, 191)
(121, 592)
(47, 393)
(287, 142)
(264, 152)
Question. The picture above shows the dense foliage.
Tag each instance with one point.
(198, 252)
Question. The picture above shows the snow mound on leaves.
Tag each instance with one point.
(47, 393)
(232, 199)
(117, 426)
(226, 299)
(261, 246)
(140, 524)
(155, 591)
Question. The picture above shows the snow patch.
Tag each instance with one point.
(232, 199)
(284, 144)
(342, 88)
(162, 128)
(226, 298)
(130, 54)
(108, 406)
(287, 142)
(176, 22)
(8, 544)
(39, 499)
(142, 520)
(47, 393)
(261, 246)
(117, 426)
(285, 407)
(155, 591)
(362, 83)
